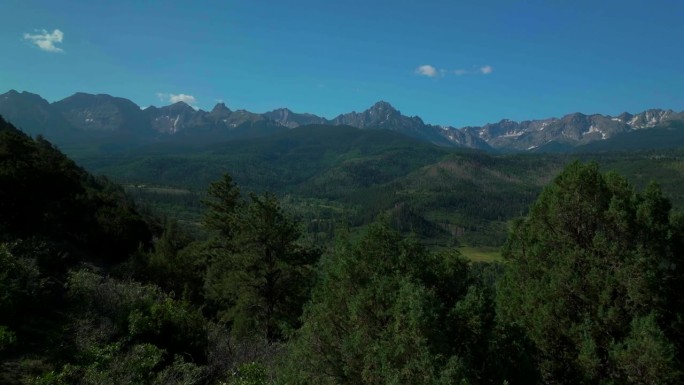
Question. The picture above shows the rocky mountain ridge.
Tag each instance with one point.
(572, 130)
(90, 114)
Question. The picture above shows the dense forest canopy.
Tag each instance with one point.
(93, 290)
(327, 176)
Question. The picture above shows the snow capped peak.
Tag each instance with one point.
(649, 118)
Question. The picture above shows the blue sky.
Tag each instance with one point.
(451, 62)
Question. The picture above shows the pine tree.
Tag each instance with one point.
(586, 268)
(259, 273)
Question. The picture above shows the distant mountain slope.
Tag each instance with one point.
(83, 118)
(356, 175)
(33, 114)
(106, 119)
(666, 135)
(100, 113)
(359, 173)
(382, 115)
(278, 163)
(289, 119)
(569, 131)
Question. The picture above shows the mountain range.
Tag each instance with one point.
(86, 117)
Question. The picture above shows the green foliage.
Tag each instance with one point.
(646, 356)
(7, 338)
(43, 194)
(127, 332)
(454, 194)
(222, 202)
(248, 374)
(366, 318)
(589, 293)
(259, 273)
(29, 171)
(20, 280)
(134, 313)
(135, 366)
(587, 263)
(175, 265)
(386, 311)
(139, 364)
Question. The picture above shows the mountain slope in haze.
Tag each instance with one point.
(666, 135)
(104, 118)
(327, 174)
(182, 119)
(332, 174)
(84, 118)
(277, 163)
(33, 114)
(100, 113)
(289, 119)
(562, 133)
(569, 131)
(383, 115)
(107, 118)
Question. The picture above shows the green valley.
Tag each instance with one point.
(333, 176)
(337, 256)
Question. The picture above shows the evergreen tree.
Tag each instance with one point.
(174, 266)
(222, 203)
(367, 318)
(586, 280)
(386, 311)
(260, 272)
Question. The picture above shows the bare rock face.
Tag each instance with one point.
(102, 114)
(289, 119)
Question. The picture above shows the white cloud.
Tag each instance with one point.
(189, 99)
(427, 70)
(175, 98)
(46, 41)
(431, 71)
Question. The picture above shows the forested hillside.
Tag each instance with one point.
(94, 292)
(54, 218)
(334, 177)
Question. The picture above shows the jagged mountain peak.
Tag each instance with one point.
(574, 117)
(24, 95)
(282, 114)
(179, 106)
(220, 108)
(287, 118)
(649, 118)
(382, 105)
(504, 123)
(84, 112)
(623, 117)
(383, 108)
(283, 110)
(31, 113)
